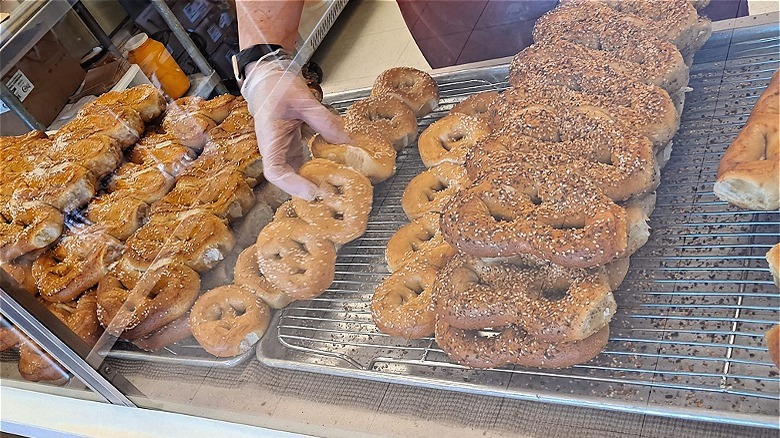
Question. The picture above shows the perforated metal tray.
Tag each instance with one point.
(687, 337)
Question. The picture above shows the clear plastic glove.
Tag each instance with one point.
(280, 102)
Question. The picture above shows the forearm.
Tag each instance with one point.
(268, 22)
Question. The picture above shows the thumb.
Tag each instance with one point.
(321, 120)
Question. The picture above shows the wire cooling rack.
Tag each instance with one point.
(687, 337)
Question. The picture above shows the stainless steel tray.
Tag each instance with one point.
(187, 352)
(687, 338)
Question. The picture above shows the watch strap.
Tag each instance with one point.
(252, 54)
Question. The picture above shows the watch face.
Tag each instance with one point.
(236, 72)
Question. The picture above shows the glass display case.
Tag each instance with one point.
(685, 350)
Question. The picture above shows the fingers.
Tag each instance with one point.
(327, 124)
(276, 142)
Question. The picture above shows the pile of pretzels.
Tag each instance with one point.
(171, 179)
(295, 255)
(515, 261)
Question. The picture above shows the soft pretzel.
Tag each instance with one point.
(80, 316)
(146, 99)
(417, 242)
(169, 334)
(370, 154)
(133, 306)
(36, 365)
(99, 154)
(189, 128)
(384, 115)
(27, 227)
(163, 152)
(20, 270)
(239, 151)
(511, 345)
(475, 105)
(66, 186)
(646, 109)
(238, 121)
(596, 24)
(403, 303)
(554, 214)
(749, 172)
(565, 63)
(450, 138)
(196, 238)
(432, 189)
(119, 212)
(123, 125)
(619, 163)
(550, 303)
(78, 262)
(676, 21)
(340, 210)
(295, 258)
(226, 195)
(10, 336)
(148, 184)
(417, 89)
(229, 320)
(247, 274)
(217, 108)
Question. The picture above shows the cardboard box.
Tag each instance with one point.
(44, 79)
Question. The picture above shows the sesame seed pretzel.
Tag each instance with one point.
(475, 105)
(418, 241)
(402, 304)
(146, 99)
(148, 184)
(133, 305)
(27, 227)
(370, 154)
(619, 163)
(385, 115)
(228, 320)
(432, 189)
(549, 302)
(225, 194)
(511, 345)
(340, 210)
(119, 212)
(65, 186)
(555, 214)
(295, 258)
(80, 316)
(645, 109)
(247, 274)
(563, 62)
(196, 238)
(78, 262)
(417, 89)
(450, 138)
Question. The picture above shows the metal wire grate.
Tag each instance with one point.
(687, 337)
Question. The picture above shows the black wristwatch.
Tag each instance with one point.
(252, 54)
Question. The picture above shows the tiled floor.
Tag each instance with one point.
(371, 36)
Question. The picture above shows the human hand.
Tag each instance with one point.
(280, 102)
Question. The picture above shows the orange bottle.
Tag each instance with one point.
(157, 64)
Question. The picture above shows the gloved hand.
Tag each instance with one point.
(280, 101)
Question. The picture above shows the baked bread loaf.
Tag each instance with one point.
(772, 340)
(773, 258)
(370, 154)
(749, 172)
